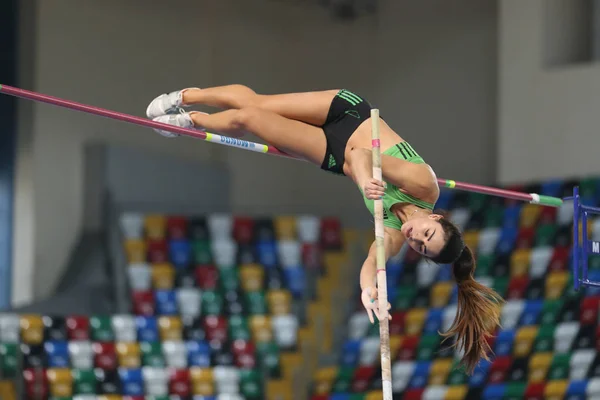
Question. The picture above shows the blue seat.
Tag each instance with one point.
(166, 302)
(180, 252)
(57, 353)
(593, 276)
(445, 199)
(512, 216)
(531, 312)
(504, 342)
(393, 271)
(453, 296)
(351, 353)
(198, 353)
(507, 239)
(433, 322)
(420, 375)
(266, 252)
(445, 273)
(576, 390)
(479, 377)
(147, 329)
(339, 396)
(295, 279)
(132, 381)
(494, 392)
(552, 188)
(392, 292)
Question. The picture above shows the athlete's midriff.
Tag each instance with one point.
(361, 138)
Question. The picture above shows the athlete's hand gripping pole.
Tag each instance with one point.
(384, 328)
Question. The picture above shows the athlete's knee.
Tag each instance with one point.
(246, 118)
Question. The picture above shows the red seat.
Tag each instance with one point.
(215, 328)
(499, 369)
(516, 188)
(408, 348)
(244, 354)
(320, 397)
(36, 383)
(517, 287)
(491, 340)
(548, 215)
(331, 233)
(362, 377)
(312, 257)
(207, 276)
(413, 394)
(78, 327)
(243, 230)
(177, 227)
(559, 259)
(535, 391)
(179, 382)
(133, 398)
(525, 238)
(105, 356)
(397, 323)
(158, 251)
(143, 303)
(589, 310)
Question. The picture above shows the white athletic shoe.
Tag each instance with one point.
(183, 120)
(167, 103)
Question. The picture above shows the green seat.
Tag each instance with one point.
(229, 278)
(101, 329)
(515, 391)
(476, 201)
(544, 341)
(500, 285)
(559, 369)
(544, 235)
(8, 360)
(457, 376)
(256, 303)
(406, 296)
(427, 347)
(494, 217)
(212, 302)
(202, 251)
(551, 311)
(268, 354)
(84, 381)
(343, 380)
(357, 396)
(238, 328)
(250, 384)
(594, 263)
(152, 355)
(587, 187)
(484, 265)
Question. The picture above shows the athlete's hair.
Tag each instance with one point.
(478, 311)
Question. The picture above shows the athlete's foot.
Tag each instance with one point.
(167, 103)
(183, 120)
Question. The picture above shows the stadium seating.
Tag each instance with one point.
(548, 345)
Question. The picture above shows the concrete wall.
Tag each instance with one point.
(429, 66)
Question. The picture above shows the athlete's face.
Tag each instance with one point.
(425, 235)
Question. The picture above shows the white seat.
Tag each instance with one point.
(140, 276)
(539, 261)
(402, 371)
(359, 325)
(175, 354)
(488, 238)
(565, 214)
(460, 217)
(290, 253)
(84, 397)
(596, 229)
(308, 228)
(226, 379)
(511, 312)
(229, 396)
(426, 272)
(155, 381)
(224, 251)
(220, 226)
(81, 353)
(132, 225)
(285, 330)
(564, 335)
(10, 328)
(449, 316)
(593, 388)
(435, 392)
(369, 351)
(486, 281)
(124, 328)
(580, 363)
(189, 301)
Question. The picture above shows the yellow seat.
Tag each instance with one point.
(395, 343)
(414, 320)
(260, 327)
(285, 228)
(60, 381)
(155, 226)
(280, 302)
(32, 329)
(170, 328)
(163, 276)
(539, 363)
(555, 284)
(374, 395)
(440, 294)
(519, 262)
(530, 214)
(252, 277)
(471, 239)
(7, 390)
(440, 369)
(129, 355)
(524, 340)
(109, 397)
(458, 392)
(202, 381)
(324, 378)
(135, 250)
(279, 389)
(555, 390)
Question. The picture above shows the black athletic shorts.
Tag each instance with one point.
(347, 112)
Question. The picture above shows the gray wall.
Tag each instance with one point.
(428, 65)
